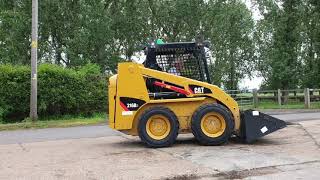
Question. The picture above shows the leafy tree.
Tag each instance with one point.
(176, 20)
(15, 27)
(279, 43)
(310, 45)
(229, 25)
(73, 33)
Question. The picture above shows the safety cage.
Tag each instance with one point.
(185, 59)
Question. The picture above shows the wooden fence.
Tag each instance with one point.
(253, 97)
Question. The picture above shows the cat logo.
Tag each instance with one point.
(198, 90)
(195, 89)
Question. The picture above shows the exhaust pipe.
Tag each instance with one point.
(255, 125)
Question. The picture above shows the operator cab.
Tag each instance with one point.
(185, 59)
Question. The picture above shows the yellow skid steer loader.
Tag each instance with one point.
(171, 93)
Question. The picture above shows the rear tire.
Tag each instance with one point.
(158, 127)
(212, 124)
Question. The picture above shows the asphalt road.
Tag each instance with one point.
(296, 117)
(37, 135)
(291, 153)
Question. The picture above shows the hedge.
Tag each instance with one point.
(61, 91)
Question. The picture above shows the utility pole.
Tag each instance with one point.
(34, 57)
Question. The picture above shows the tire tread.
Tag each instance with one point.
(168, 141)
(200, 136)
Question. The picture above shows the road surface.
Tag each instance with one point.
(25, 136)
(296, 117)
(291, 153)
(97, 152)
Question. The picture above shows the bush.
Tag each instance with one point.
(60, 91)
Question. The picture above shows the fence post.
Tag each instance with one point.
(307, 98)
(279, 97)
(255, 98)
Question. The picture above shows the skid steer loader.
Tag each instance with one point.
(171, 93)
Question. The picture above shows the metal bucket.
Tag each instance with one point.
(255, 124)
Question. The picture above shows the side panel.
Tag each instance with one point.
(130, 84)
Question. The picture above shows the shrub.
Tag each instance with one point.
(60, 91)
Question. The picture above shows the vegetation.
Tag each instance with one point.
(282, 45)
(61, 91)
(51, 122)
(288, 43)
(73, 33)
(268, 105)
(275, 105)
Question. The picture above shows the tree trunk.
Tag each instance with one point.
(285, 93)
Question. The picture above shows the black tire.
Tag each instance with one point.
(196, 124)
(174, 127)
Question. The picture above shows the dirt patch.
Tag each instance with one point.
(247, 173)
(183, 177)
(131, 153)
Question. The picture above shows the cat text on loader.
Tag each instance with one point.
(170, 93)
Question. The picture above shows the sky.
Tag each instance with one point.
(253, 83)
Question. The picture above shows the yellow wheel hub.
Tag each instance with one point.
(158, 127)
(213, 124)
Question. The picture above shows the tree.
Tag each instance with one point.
(279, 42)
(229, 25)
(73, 33)
(15, 28)
(311, 46)
(176, 20)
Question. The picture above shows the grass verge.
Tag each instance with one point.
(273, 105)
(56, 122)
(290, 105)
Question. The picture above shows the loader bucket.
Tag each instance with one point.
(255, 124)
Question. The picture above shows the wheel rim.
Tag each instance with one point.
(158, 127)
(213, 124)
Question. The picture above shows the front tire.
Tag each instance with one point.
(158, 127)
(212, 124)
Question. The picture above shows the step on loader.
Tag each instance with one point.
(171, 93)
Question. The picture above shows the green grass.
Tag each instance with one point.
(65, 121)
(315, 105)
(290, 105)
(272, 105)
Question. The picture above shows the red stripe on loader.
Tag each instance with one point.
(124, 106)
(173, 88)
(191, 91)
